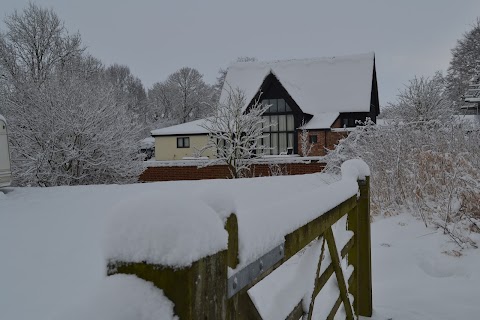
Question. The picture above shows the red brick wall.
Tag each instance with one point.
(334, 137)
(221, 172)
(325, 138)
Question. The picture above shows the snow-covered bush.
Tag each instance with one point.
(68, 121)
(429, 168)
(422, 99)
(72, 132)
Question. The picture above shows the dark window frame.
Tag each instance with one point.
(349, 122)
(312, 138)
(288, 111)
(183, 142)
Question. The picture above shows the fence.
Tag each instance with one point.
(206, 291)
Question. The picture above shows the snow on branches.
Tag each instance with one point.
(234, 135)
(423, 99)
(462, 66)
(73, 132)
(305, 145)
(430, 168)
(67, 124)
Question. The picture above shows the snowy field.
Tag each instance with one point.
(52, 256)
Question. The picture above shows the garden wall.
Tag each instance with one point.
(192, 172)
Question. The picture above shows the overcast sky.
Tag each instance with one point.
(155, 38)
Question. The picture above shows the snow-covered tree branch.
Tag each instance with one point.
(183, 97)
(462, 66)
(305, 145)
(67, 123)
(422, 99)
(430, 168)
(236, 136)
(35, 44)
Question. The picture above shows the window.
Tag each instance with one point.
(183, 142)
(312, 138)
(348, 122)
(282, 130)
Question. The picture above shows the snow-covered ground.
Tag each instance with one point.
(416, 274)
(51, 255)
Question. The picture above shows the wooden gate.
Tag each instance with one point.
(206, 291)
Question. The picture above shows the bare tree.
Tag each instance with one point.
(186, 95)
(236, 135)
(66, 122)
(423, 99)
(161, 101)
(35, 44)
(129, 91)
(305, 145)
(72, 131)
(130, 88)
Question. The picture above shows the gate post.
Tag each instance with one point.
(198, 291)
(240, 306)
(364, 256)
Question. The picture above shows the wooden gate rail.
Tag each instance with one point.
(202, 291)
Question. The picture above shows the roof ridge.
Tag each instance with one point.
(266, 63)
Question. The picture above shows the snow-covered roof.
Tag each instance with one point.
(333, 84)
(321, 121)
(193, 127)
(322, 87)
(3, 119)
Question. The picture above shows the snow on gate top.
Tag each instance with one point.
(177, 226)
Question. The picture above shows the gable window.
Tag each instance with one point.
(183, 142)
(282, 130)
(312, 138)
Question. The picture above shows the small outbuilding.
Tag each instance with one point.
(180, 141)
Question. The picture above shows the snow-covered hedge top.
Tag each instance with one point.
(123, 297)
(166, 228)
(333, 84)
